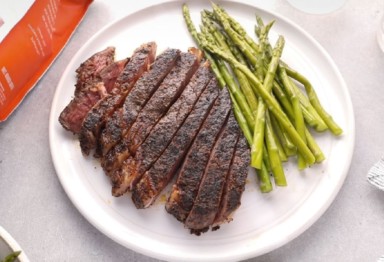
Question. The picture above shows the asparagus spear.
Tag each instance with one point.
(241, 120)
(270, 101)
(314, 147)
(299, 119)
(264, 180)
(310, 114)
(193, 32)
(258, 135)
(12, 257)
(285, 132)
(240, 30)
(286, 143)
(233, 88)
(235, 37)
(265, 184)
(312, 96)
(243, 81)
(274, 157)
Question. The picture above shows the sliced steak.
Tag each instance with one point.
(165, 129)
(235, 182)
(162, 171)
(185, 190)
(168, 92)
(89, 71)
(88, 89)
(72, 117)
(94, 120)
(141, 92)
(207, 201)
(141, 61)
(110, 73)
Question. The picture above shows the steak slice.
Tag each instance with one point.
(235, 182)
(168, 92)
(88, 89)
(94, 120)
(207, 201)
(162, 171)
(117, 126)
(184, 191)
(141, 61)
(164, 130)
(110, 73)
(89, 71)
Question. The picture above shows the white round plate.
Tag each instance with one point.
(264, 221)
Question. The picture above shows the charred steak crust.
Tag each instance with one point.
(136, 99)
(158, 176)
(95, 119)
(142, 58)
(162, 133)
(139, 63)
(151, 118)
(168, 92)
(87, 91)
(235, 182)
(184, 192)
(144, 89)
(207, 201)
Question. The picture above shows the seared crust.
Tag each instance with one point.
(141, 92)
(150, 119)
(192, 170)
(168, 92)
(207, 201)
(235, 182)
(157, 177)
(95, 119)
(163, 132)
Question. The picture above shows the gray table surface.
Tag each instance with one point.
(35, 209)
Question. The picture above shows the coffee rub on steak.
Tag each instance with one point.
(235, 182)
(162, 171)
(89, 89)
(169, 90)
(162, 133)
(207, 201)
(185, 190)
(162, 120)
(122, 119)
(95, 119)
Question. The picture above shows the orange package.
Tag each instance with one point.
(32, 44)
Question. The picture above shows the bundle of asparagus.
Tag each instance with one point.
(274, 113)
